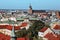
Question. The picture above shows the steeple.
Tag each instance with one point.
(30, 9)
(30, 6)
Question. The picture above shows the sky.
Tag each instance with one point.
(36, 4)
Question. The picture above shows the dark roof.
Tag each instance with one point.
(38, 11)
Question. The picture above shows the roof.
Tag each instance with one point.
(20, 38)
(17, 27)
(33, 18)
(43, 29)
(58, 36)
(51, 36)
(9, 27)
(1, 26)
(23, 38)
(19, 18)
(38, 11)
(23, 24)
(4, 37)
(57, 27)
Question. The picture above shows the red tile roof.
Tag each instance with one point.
(23, 24)
(51, 36)
(57, 27)
(2, 26)
(23, 38)
(17, 27)
(4, 37)
(58, 36)
(9, 27)
(43, 29)
(20, 38)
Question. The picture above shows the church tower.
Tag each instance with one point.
(30, 9)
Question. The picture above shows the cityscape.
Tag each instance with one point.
(29, 24)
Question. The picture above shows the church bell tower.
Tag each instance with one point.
(30, 9)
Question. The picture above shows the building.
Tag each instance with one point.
(36, 12)
(44, 31)
(51, 36)
(58, 14)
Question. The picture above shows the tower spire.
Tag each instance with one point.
(30, 9)
(30, 6)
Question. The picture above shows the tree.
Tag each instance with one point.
(35, 27)
(21, 33)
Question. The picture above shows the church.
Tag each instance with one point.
(36, 12)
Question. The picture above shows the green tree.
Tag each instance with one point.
(35, 27)
(21, 33)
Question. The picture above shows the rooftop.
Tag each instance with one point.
(51, 36)
(43, 29)
(57, 27)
